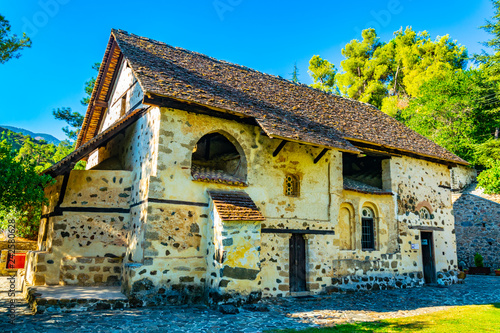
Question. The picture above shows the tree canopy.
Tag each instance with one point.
(384, 74)
(72, 118)
(10, 44)
(21, 191)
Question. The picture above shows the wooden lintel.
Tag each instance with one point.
(101, 104)
(425, 228)
(167, 102)
(397, 152)
(297, 231)
(323, 152)
(278, 149)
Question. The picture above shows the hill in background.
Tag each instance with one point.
(37, 136)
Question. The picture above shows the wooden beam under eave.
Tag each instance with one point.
(279, 148)
(323, 152)
(101, 104)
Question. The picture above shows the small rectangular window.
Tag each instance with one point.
(123, 105)
(367, 234)
(292, 186)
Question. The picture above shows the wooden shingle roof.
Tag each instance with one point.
(282, 108)
(235, 206)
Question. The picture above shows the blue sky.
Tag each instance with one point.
(70, 35)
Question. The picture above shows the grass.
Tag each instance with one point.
(471, 318)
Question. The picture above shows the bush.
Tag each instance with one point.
(21, 192)
(489, 179)
(478, 260)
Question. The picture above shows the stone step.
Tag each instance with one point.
(57, 299)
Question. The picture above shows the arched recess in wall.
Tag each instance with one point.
(370, 219)
(218, 157)
(346, 227)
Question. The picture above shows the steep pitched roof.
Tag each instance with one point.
(282, 108)
(235, 206)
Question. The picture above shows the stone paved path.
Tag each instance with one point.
(284, 313)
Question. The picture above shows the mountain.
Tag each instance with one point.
(37, 136)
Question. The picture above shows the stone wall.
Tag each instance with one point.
(233, 273)
(477, 228)
(90, 271)
(84, 237)
(462, 176)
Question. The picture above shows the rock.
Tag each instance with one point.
(228, 309)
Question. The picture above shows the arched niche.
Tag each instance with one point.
(218, 157)
(346, 227)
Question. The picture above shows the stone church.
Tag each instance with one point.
(210, 181)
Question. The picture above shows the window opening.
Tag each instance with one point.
(123, 105)
(362, 171)
(367, 229)
(425, 214)
(291, 186)
(216, 159)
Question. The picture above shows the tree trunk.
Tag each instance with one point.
(497, 130)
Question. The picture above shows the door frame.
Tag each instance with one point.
(433, 273)
(292, 269)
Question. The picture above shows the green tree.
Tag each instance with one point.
(387, 75)
(10, 44)
(454, 112)
(323, 74)
(38, 153)
(89, 86)
(364, 74)
(72, 118)
(295, 73)
(21, 191)
(490, 63)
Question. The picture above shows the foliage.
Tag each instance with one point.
(487, 153)
(15, 140)
(89, 86)
(21, 191)
(382, 74)
(364, 73)
(10, 44)
(323, 74)
(491, 62)
(295, 74)
(489, 180)
(75, 119)
(482, 318)
(454, 112)
(478, 260)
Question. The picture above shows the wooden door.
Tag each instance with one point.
(297, 263)
(428, 257)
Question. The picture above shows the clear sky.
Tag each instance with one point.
(270, 36)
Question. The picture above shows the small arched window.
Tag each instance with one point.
(292, 186)
(367, 229)
(216, 159)
(425, 214)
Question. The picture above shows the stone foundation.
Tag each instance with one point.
(145, 293)
(90, 271)
(379, 282)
